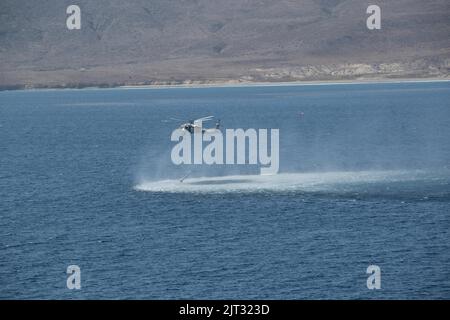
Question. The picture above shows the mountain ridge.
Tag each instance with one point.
(198, 41)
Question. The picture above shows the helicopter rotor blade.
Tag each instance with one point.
(208, 118)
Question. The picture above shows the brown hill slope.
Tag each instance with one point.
(184, 41)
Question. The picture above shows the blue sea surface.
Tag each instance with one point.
(86, 179)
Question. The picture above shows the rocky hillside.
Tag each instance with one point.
(139, 42)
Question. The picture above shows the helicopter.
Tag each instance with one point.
(191, 125)
(194, 126)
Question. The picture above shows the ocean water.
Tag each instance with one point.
(86, 179)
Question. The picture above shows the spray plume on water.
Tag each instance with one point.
(337, 144)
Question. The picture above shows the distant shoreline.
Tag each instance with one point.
(235, 84)
(283, 84)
